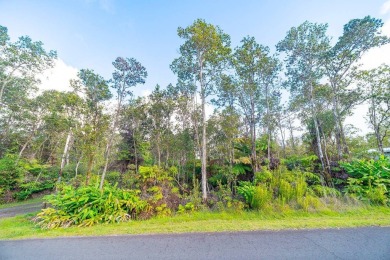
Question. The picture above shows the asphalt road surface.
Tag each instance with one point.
(17, 210)
(356, 243)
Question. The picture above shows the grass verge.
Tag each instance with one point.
(21, 227)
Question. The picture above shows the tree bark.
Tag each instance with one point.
(253, 136)
(65, 154)
(317, 131)
(204, 138)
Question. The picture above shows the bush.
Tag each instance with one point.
(323, 191)
(247, 190)
(286, 191)
(261, 197)
(369, 179)
(11, 172)
(31, 188)
(89, 205)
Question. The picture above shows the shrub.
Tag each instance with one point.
(369, 179)
(247, 190)
(89, 205)
(11, 171)
(309, 202)
(261, 197)
(113, 177)
(32, 187)
(286, 191)
(264, 176)
(323, 191)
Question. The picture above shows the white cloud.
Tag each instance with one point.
(58, 77)
(146, 93)
(377, 56)
(385, 9)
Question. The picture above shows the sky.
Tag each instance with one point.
(92, 33)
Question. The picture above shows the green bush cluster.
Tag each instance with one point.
(86, 206)
(284, 188)
(369, 180)
(20, 179)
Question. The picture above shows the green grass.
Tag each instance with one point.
(21, 203)
(21, 227)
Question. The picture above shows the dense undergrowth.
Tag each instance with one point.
(156, 193)
(153, 191)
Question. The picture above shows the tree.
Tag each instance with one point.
(128, 73)
(96, 90)
(359, 36)
(305, 46)
(22, 59)
(377, 92)
(256, 72)
(202, 58)
(160, 110)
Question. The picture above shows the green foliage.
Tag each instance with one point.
(265, 176)
(285, 190)
(32, 187)
(323, 191)
(309, 202)
(187, 208)
(247, 190)
(113, 177)
(261, 198)
(89, 205)
(301, 163)
(154, 174)
(369, 179)
(11, 170)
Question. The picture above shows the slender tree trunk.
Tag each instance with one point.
(204, 155)
(158, 151)
(373, 119)
(328, 177)
(318, 137)
(282, 136)
(109, 143)
(23, 148)
(65, 154)
(89, 170)
(343, 139)
(268, 127)
(337, 127)
(135, 154)
(77, 165)
(107, 154)
(292, 135)
(253, 137)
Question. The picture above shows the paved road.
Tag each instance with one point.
(359, 243)
(23, 209)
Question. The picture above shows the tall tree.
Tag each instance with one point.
(202, 58)
(377, 91)
(95, 89)
(256, 72)
(359, 36)
(305, 46)
(21, 59)
(128, 73)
